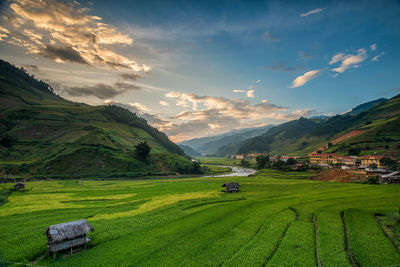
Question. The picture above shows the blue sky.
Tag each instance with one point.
(196, 68)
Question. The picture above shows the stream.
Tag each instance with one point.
(236, 171)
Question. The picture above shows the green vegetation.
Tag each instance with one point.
(44, 134)
(378, 123)
(277, 219)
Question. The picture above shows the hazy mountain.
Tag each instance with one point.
(372, 127)
(190, 151)
(210, 145)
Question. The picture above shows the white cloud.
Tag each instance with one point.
(139, 106)
(164, 103)
(258, 81)
(373, 47)
(238, 91)
(376, 58)
(311, 12)
(306, 77)
(348, 61)
(250, 93)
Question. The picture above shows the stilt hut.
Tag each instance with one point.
(68, 235)
(231, 187)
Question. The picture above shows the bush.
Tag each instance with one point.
(373, 180)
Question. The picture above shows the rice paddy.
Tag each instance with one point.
(277, 219)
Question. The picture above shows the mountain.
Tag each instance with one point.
(374, 130)
(190, 151)
(44, 134)
(210, 145)
(366, 106)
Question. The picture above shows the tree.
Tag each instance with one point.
(354, 151)
(388, 163)
(142, 151)
(262, 160)
(244, 163)
(291, 161)
(196, 167)
(330, 145)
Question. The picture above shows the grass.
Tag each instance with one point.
(191, 222)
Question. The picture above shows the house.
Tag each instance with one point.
(368, 160)
(19, 186)
(239, 156)
(393, 178)
(231, 187)
(324, 158)
(285, 158)
(254, 155)
(348, 161)
(68, 235)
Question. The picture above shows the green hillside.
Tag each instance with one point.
(380, 125)
(42, 133)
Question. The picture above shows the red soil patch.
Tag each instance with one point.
(338, 175)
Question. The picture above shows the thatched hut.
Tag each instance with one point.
(19, 186)
(231, 187)
(68, 235)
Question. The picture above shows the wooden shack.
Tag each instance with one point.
(19, 186)
(231, 187)
(68, 235)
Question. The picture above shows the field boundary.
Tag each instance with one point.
(347, 247)
(386, 231)
(282, 236)
(317, 252)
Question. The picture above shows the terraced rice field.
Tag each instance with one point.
(278, 219)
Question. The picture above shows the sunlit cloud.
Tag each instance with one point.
(139, 106)
(311, 12)
(164, 103)
(349, 60)
(239, 91)
(250, 93)
(373, 47)
(376, 58)
(66, 32)
(306, 77)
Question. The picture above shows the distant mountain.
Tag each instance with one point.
(365, 107)
(210, 145)
(189, 151)
(321, 117)
(44, 134)
(373, 127)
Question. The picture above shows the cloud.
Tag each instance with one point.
(306, 77)
(280, 66)
(373, 47)
(258, 81)
(130, 76)
(31, 67)
(65, 31)
(238, 91)
(348, 61)
(311, 12)
(269, 37)
(139, 106)
(376, 58)
(250, 93)
(62, 54)
(100, 90)
(307, 112)
(164, 103)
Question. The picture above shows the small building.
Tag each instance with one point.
(68, 235)
(368, 160)
(19, 186)
(392, 178)
(231, 187)
(324, 158)
(239, 156)
(349, 161)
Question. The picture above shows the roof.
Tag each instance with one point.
(324, 155)
(69, 230)
(231, 185)
(391, 174)
(372, 157)
(19, 183)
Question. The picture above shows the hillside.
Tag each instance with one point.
(42, 133)
(374, 127)
(189, 151)
(210, 145)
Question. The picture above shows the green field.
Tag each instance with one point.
(278, 219)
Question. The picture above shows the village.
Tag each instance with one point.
(385, 169)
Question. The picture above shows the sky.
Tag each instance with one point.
(200, 68)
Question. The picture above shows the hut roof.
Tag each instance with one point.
(69, 230)
(231, 185)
